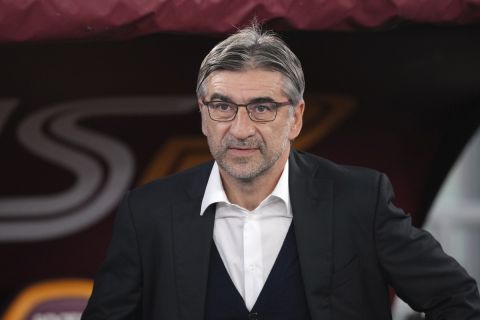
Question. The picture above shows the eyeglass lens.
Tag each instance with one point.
(258, 111)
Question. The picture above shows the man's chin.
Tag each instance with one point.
(242, 172)
(243, 176)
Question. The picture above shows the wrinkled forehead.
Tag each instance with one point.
(243, 86)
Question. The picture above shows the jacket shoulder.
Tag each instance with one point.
(323, 169)
(175, 185)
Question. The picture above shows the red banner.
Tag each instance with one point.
(34, 20)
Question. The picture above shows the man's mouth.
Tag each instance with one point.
(242, 151)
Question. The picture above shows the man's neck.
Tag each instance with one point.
(250, 193)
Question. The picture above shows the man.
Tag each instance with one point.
(266, 232)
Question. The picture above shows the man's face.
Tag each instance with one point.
(245, 149)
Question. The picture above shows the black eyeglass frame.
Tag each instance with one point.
(277, 105)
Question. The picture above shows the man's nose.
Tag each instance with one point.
(242, 126)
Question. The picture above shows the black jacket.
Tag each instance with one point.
(352, 243)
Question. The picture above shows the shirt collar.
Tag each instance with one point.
(281, 189)
(214, 192)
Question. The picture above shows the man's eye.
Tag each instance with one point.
(222, 106)
(263, 108)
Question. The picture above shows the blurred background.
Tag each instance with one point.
(98, 98)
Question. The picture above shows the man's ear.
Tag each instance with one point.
(202, 110)
(297, 121)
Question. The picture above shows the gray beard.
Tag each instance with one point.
(257, 171)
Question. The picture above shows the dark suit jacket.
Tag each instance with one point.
(352, 243)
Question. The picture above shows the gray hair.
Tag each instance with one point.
(252, 48)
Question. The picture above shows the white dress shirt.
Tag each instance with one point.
(249, 241)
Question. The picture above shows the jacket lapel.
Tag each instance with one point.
(192, 241)
(312, 206)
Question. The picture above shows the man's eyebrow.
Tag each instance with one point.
(261, 99)
(221, 97)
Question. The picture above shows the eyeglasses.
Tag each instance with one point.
(224, 111)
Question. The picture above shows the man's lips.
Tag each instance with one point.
(242, 151)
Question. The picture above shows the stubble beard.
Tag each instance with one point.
(246, 169)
